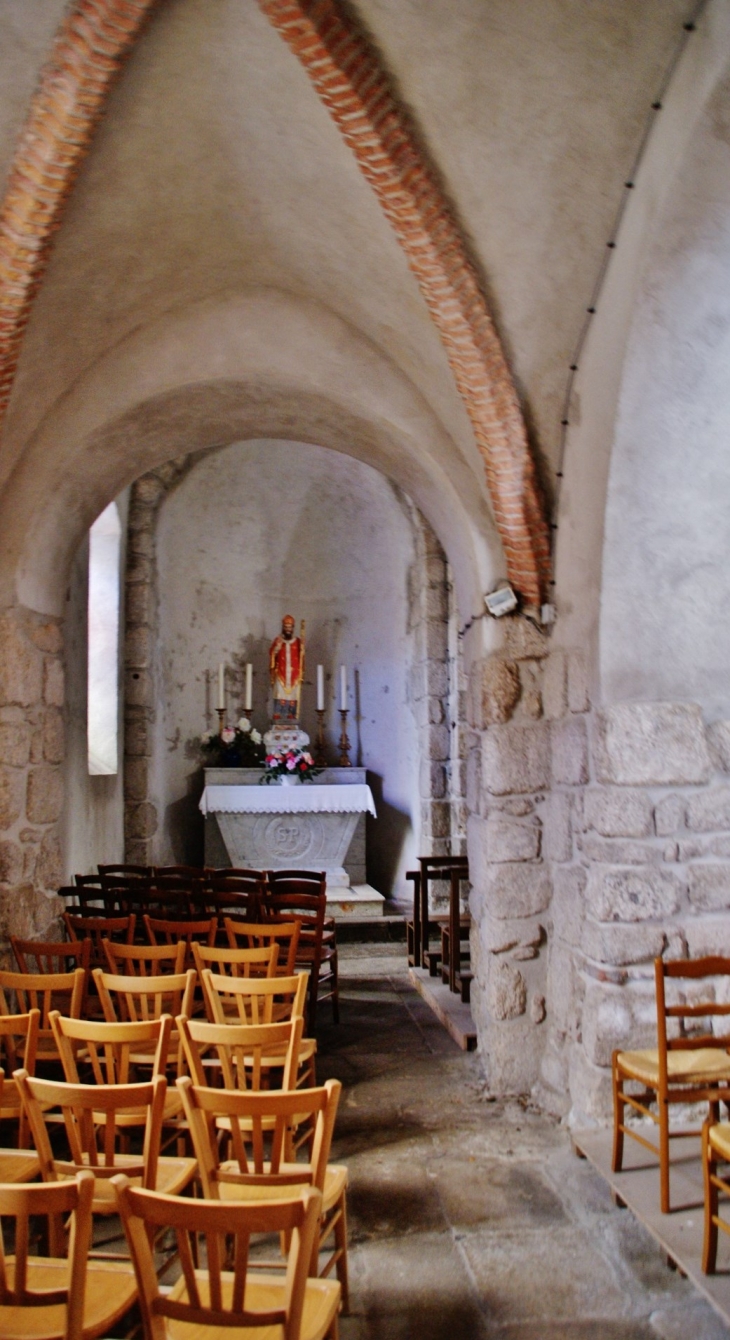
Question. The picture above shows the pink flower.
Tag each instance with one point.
(291, 763)
(228, 735)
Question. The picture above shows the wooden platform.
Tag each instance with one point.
(679, 1234)
(448, 1008)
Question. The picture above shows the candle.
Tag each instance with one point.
(343, 688)
(249, 687)
(320, 688)
(221, 687)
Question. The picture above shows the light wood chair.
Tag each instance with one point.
(239, 1301)
(144, 960)
(44, 991)
(262, 1129)
(262, 1001)
(141, 999)
(252, 934)
(715, 1150)
(692, 1067)
(243, 1054)
(17, 1165)
(52, 1298)
(236, 962)
(18, 1046)
(91, 1116)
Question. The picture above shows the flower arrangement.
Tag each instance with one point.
(290, 763)
(238, 746)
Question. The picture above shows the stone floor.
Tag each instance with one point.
(472, 1219)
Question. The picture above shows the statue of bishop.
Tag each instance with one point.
(286, 670)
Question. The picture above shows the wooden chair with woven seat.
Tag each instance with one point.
(141, 999)
(228, 962)
(262, 1001)
(34, 956)
(234, 1299)
(55, 1297)
(165, 931)
(18, 1046)
(16, 1165)
(242, 1055)
(715, 1150)
(93, 1117)
(44, 991)
(145, 960)
(256, 934)
(291, 899)
(691, 1067)
(97, 930)
(262, 1129)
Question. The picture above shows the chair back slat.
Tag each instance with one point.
(257, 934)
(216, 1297)
(684, 1012)
(144, 960)
(259, 962)
(141, 999)
(34, 956)
(97, 930)
(110, 1048)
(245, 1053)
(255, 1000)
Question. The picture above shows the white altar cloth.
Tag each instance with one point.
(274, 799)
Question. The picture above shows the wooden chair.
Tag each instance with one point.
(97, 930)
(90, 895)
(142, 999)
(715, 1150)
(263, 1124)
(293, 900)
(259, 962)
(239, 1301)
(163, 931)
(243, 1054)
(689, 1068)
(57, 1298)
(237, 894)
(145, 960)
(262, 1001)
(50, 955)
(109, 873)
(453, 933)
(18, 1047)
(93, 1115)
(256, 934)
(44, 991)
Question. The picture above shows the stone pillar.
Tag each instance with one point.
(32, 739)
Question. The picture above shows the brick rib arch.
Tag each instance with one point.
(347, 75)
(88, 52)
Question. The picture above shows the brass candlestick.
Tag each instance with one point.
(221, 719)
(344, 742)
(319, 757)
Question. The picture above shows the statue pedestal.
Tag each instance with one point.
(319, 825)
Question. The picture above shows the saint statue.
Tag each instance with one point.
(286, 669)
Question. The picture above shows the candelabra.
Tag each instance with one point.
(221, 719)
(344, 742)
(319, 757)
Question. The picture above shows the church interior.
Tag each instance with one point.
(408, 323)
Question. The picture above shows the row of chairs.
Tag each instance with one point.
(689, 1065)
(184, 891)
(265, 1184)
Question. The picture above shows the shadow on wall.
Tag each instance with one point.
(185, 825)
(385, 837)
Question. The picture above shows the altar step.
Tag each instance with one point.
(359, 901)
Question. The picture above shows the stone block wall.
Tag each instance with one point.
(32, 742)
(599, 838)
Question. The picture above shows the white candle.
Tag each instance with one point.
(343, 688)
(249, 687)
(320, 688)
(221, 686)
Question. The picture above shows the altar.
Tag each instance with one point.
(319, 825)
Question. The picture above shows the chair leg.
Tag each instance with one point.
(335, 988)
(619, 1108)
(663, 1153)
(709, 1166)
(341, 1246)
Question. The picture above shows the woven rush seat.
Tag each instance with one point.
(107, 1280)
(335, 1180)
(321, 1298)
(704, 1063)
(719, 1138)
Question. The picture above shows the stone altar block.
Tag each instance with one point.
(311, 826)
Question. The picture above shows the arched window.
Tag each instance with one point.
(103, 624)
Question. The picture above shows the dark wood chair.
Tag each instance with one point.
(424, 922)
(98, 929)
(289, 899)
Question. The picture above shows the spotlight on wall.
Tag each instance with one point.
(501, 601)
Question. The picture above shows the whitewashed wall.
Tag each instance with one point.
(254, 531)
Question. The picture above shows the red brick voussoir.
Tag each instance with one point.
(87, 53)
(346, 73)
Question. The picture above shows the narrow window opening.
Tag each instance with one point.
(103, 650)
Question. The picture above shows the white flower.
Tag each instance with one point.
(256, 736)
(206, 737)
(244, 724)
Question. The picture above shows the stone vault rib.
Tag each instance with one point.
(347, 75)
(88, 51)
